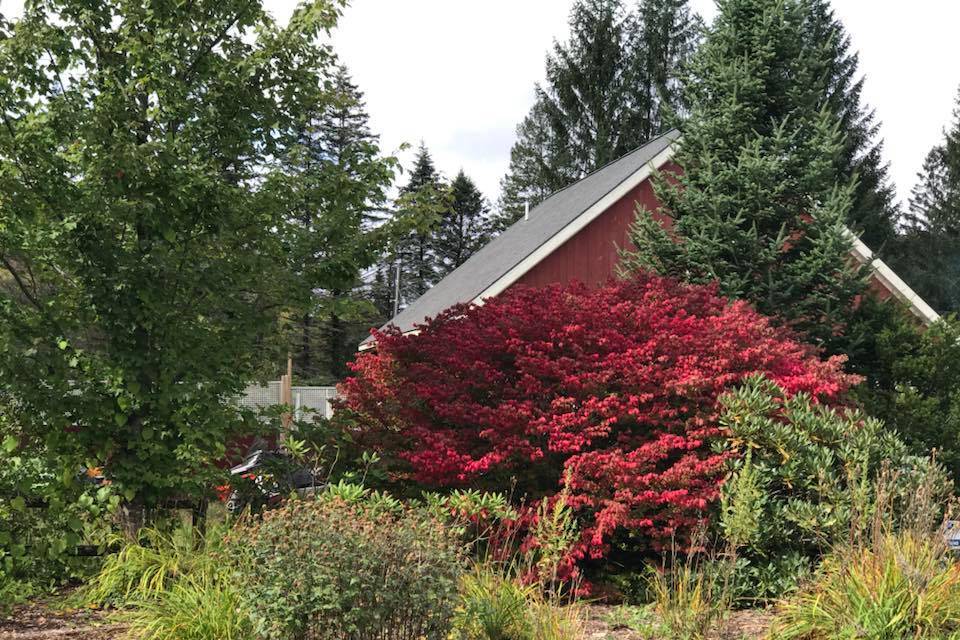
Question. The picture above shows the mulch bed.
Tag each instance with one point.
(42, 621)
(750, 624)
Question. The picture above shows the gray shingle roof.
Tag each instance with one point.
(524, 237)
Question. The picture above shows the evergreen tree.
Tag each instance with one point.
(928, 253)
(465, 228)
(759, 206)
(341, 181)
(608, 89)
(873, 212)
(421, 205)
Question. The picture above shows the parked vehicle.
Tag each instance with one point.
(264, 477)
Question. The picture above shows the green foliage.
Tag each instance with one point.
(497, 606)
(892, 578)
(610, 87)
(144, 259)
(759, 206)
(344, 570)
(913, 383)
(336, 180)
(802, 477)
(45, 515)
(195, 607)
(151, 566)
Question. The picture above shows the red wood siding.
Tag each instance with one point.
(591, 256)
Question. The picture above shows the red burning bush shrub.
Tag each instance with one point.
(610, 392)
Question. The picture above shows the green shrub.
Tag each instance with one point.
(891, 578)
(338, 570)
(203, 606)
(802, 476)
(44, 517)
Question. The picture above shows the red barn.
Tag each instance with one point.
(576, 234)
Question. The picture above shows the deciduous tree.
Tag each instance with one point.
(143, 224)
(610, 394)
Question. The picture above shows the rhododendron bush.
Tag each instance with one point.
(610, 393)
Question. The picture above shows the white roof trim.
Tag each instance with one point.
(894, 284)
(575, 226)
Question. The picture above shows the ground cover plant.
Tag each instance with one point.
(609, 394)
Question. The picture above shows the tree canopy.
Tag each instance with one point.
(145, 223)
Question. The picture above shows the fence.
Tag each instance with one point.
(306, 400)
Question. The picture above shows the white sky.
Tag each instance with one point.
(459, 74)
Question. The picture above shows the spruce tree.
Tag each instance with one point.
(341, 181)
(759, 206)
(421, 205)
(464, 228)
(928, 253)
(609, 88)
(873, 213)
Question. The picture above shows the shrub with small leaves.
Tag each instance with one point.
(345, 569)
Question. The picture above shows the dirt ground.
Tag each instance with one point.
(41, 621)
(742, 625)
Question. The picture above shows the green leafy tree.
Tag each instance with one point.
(609, 88)
(928, 254)
(759, 205)
(465, 228)
(338, 181)
(143, 225)
(873, 210)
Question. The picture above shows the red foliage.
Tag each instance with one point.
(611, 392)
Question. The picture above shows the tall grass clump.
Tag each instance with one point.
(691, 590)
(498, 605)
(196, 607)
(149, 566)
(893, 579)
(525, 592)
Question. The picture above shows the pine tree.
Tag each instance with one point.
(609, 88)
(341, 179)
(873, 212)
(666, 38)
(465, 228)
(759, 206)
(928, 253)
(421, 205)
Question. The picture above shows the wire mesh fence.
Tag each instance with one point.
(312, 400)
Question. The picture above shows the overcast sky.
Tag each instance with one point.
(459, 74)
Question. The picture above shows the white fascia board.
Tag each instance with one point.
(900, 289)
(575, 226)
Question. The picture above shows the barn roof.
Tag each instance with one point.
(471, 281)
(558, 218)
